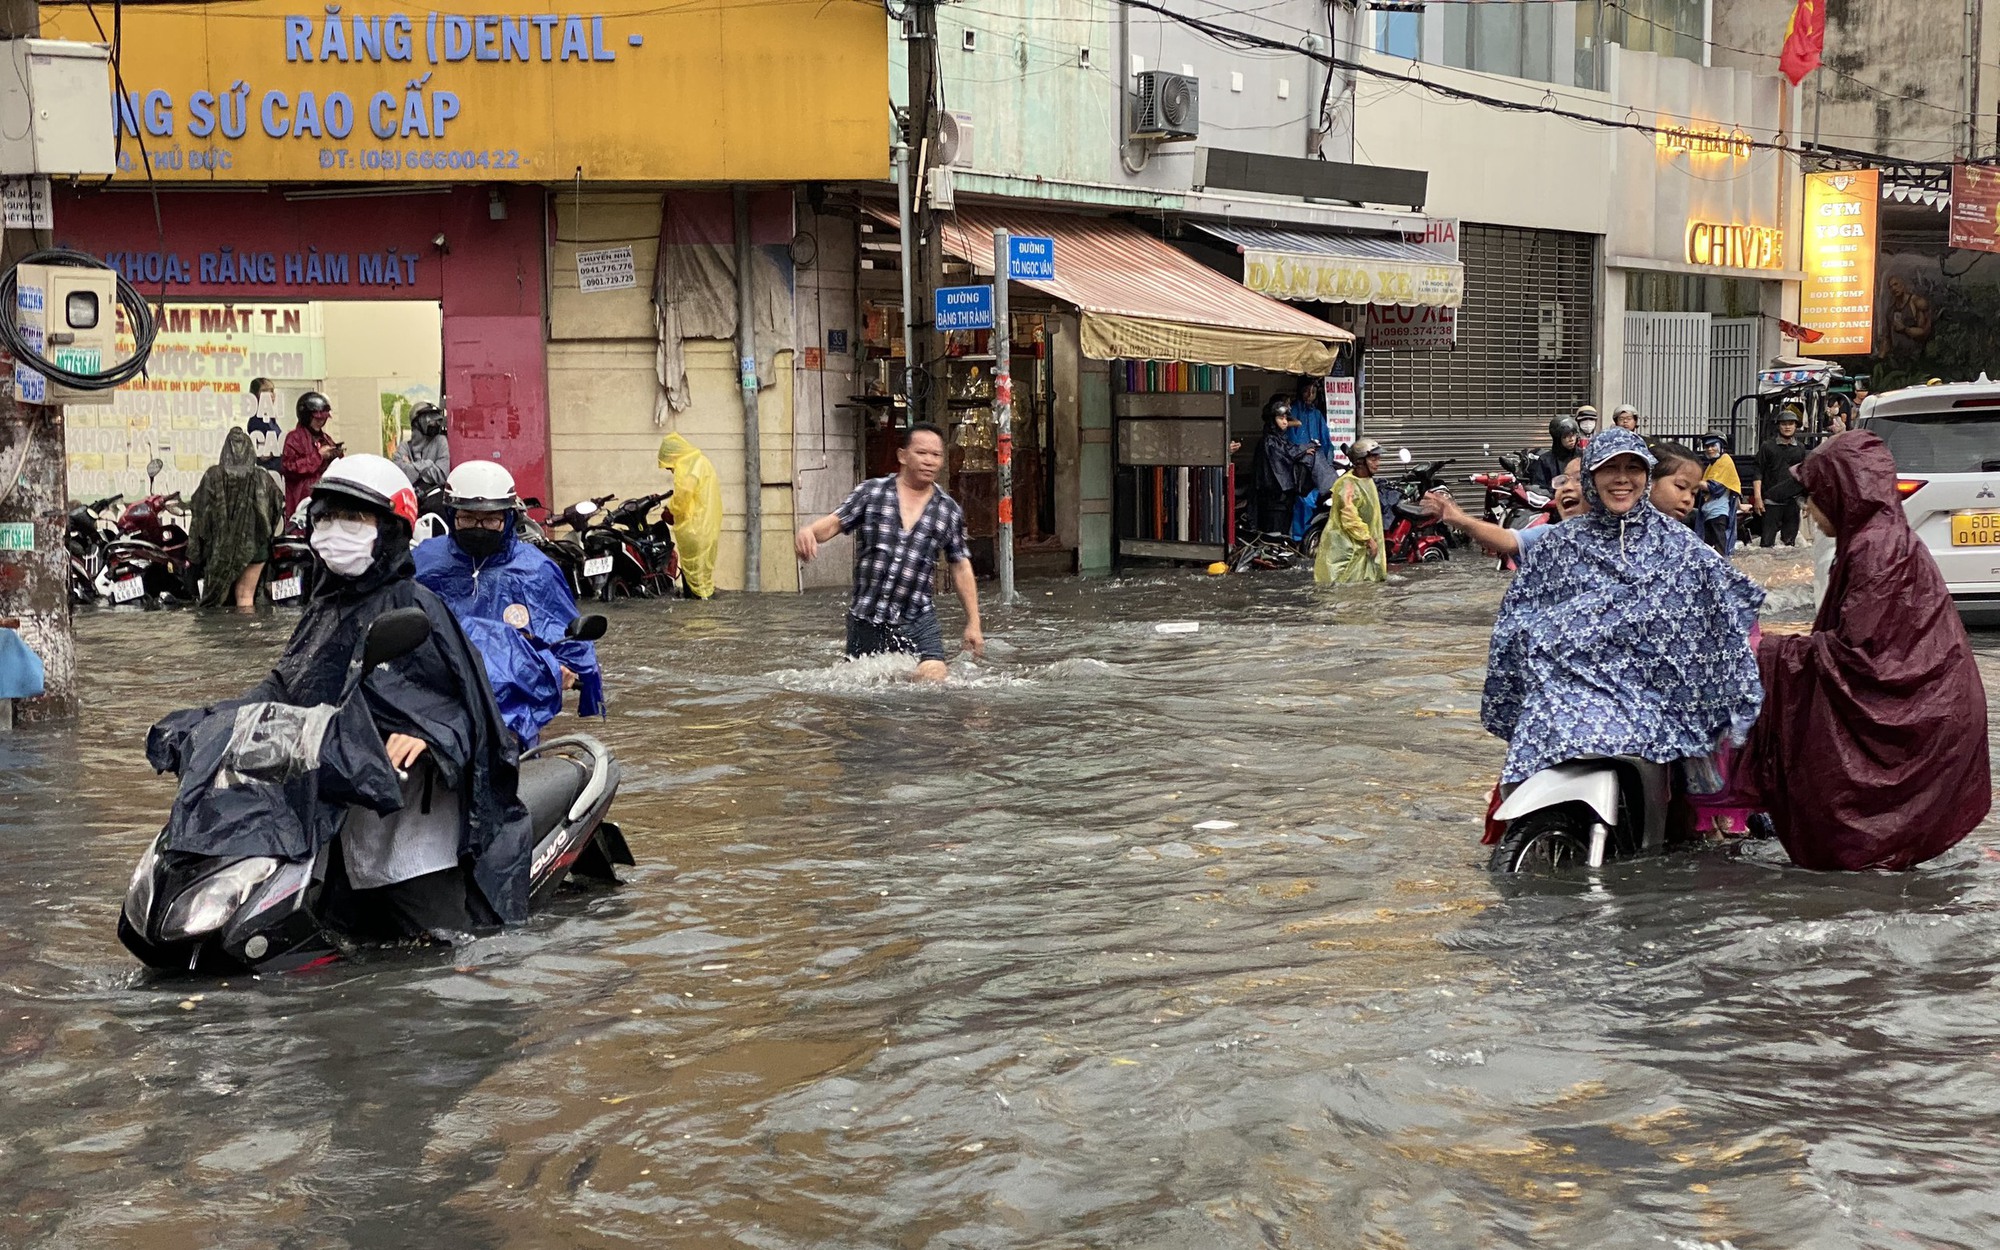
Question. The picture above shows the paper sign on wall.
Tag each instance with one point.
(606, 269)
(1392, 328)
(27, 205)
(1343, 413)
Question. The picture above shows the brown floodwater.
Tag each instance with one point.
(1122, 938)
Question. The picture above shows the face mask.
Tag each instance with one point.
(481, 545)
(348, 547)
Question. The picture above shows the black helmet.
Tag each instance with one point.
(311, 404)
(428, 420)
(1562, 428)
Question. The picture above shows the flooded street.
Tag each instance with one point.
(1124, 938)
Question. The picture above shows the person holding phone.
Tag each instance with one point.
(308, 449)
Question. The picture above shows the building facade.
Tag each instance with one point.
(528, 216)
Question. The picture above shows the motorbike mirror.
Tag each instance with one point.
(529, 501)
(1403, 454)
(393, 635)
(153, 469)
(586, 629)
(1485, 449)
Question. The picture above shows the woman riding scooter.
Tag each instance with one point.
(456, 857)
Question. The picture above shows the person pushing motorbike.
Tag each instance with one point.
(514, 602)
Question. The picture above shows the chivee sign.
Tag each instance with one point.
(268, 91)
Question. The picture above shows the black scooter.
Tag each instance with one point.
(189, 913)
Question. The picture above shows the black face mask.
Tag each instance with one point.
(481, 545)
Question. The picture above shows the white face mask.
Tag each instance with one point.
(348, 547)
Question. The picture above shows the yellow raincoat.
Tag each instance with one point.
(696, 511)
(1343, 548)
(1724, 471)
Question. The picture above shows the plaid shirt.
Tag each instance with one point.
(894, 568)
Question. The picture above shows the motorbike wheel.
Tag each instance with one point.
(1543, 843)
(1434, 554)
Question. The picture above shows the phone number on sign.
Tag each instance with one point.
(420, 158)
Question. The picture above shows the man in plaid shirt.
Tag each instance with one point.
(900, 524)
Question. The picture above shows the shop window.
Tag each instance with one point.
(1517, 40)
(1678, 292)
(1675, 28)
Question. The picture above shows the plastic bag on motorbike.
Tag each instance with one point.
(696, 509)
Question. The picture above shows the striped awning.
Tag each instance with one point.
(1315, 265)
(1142, 299)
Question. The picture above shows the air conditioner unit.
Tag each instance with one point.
(1168, 107)
(955, 140)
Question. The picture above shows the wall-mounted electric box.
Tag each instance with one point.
(69, 315)
(55, 109)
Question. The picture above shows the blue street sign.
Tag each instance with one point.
(964, 308)
(1030, 259)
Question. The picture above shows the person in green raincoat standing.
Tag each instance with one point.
(236, 510)
(1351, 549)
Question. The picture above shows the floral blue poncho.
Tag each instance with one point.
(1621, 636)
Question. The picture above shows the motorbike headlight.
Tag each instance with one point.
(139, 895)
(208, 905)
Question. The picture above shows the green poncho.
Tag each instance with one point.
(236, 511)
(1343, 548)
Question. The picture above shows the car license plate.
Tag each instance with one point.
(127, 589)
(1975, 529)
(286, 588)
(597, 567)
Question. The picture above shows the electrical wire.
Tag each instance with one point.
(137, 312)
(1237, 38)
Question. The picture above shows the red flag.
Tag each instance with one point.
(1805, 41)
(1804, 334)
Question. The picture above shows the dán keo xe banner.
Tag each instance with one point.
(710, 90)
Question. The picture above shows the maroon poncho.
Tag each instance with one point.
(1871, 749)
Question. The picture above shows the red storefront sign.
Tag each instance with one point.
(1975, 207)
(257, 246)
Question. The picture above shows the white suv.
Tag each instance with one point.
(1946, 441)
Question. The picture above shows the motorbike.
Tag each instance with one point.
(206, 914)
(1409, 533)
(90, 529)
(629, 557)
(1581, 813)
(288, 574)
(1512, 503)
(567, 551)
(148, 560)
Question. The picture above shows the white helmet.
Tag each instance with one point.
(369, 480)
(481, 486)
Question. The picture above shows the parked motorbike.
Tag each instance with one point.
(1511, 502)
(90, 529)
(148, 560)
(1582, 813)
(195, 913)
(1410, 534)
(629, 557)
(567, 551)
(288, 574)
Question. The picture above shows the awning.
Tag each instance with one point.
(1142, 299)
(1341, 268)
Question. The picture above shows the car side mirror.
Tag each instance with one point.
(587, 629)
(394, 635)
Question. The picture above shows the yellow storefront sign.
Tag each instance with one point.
(708, 90)
(1353, 280)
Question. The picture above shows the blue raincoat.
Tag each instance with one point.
(1621, 636)
(526, 679)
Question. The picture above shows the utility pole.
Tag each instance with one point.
(925, 346)
(1003, 415)
(34, 491)
(753, 440)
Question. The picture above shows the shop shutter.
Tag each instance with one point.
(1526, 353)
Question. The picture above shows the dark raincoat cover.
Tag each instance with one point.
(1621, 636)
(1871, 752)
(437, 693)
(236, 510)
(524, 676)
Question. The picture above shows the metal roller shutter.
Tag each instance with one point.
(1526, 353)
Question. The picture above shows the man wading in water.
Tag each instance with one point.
(900, 523)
